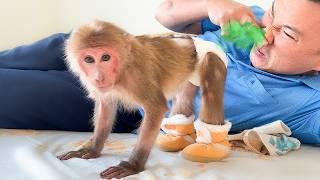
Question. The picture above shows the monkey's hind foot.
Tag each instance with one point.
(179, 133)
(212, 143)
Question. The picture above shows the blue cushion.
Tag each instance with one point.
(37, 91)
(45, 54)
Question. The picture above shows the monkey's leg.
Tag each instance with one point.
(183, 100)
(211, 130)
(103, 120)
(178, 128)
(148, 132)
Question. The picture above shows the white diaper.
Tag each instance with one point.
(202, 48)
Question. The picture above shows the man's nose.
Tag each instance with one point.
(269, 35)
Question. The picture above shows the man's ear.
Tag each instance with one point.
(317, 68)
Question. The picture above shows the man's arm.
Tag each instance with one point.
(185, 15)
(182, 15)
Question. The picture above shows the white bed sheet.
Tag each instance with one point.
(27, 154)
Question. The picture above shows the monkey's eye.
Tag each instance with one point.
(105, 57)
(88, 59)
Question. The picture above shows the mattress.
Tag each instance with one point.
(29, 154)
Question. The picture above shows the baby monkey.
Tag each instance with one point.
(117, 68)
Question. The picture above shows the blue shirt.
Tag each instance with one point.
(254, 97)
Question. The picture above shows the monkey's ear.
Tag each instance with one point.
(128, 41)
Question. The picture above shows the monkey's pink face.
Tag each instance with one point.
(99, 66)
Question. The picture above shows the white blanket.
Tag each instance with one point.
(26, 154)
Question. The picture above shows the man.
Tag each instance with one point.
(279, 80)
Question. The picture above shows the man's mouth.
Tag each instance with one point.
(259, 52)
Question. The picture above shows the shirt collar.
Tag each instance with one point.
(313, 81)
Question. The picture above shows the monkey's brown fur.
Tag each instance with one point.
(168, 64)
(142, 70)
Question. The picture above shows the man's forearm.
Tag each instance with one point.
(178, 14)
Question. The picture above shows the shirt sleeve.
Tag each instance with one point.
(305, 121)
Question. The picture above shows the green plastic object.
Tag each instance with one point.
(243, 35)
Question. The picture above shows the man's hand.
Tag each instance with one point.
(221, 12)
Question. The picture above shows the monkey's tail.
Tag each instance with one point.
(212, 70)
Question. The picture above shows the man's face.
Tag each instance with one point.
(293, 38)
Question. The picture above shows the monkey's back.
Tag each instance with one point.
(168, 60)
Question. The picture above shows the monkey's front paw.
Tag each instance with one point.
(121, 170)
(81, 153)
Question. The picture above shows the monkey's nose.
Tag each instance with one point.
(99, 78)
(99, 81)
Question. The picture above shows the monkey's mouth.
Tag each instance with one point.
(101, 87)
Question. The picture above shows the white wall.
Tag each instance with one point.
(24, 21)
(136, 16)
